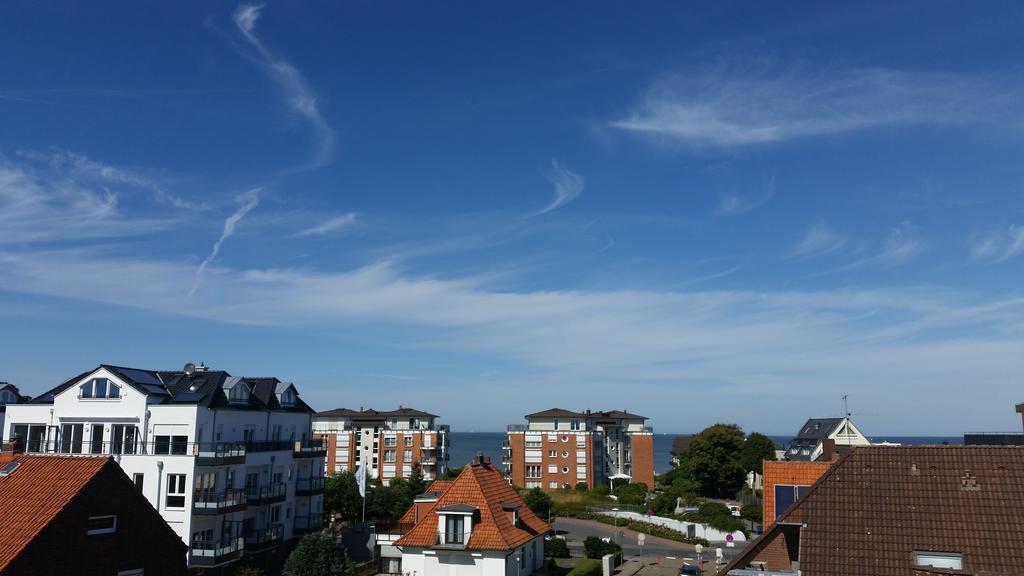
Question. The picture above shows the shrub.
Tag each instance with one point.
(595, 547)
(601, 490)
(317, 555)
(581, 487)
(586, 567)
(556, 548)
(646, 527)
(538, 501)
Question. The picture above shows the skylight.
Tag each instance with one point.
(9, 468)
(953, 560)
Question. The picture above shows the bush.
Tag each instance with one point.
(601, 490)
(595, 547)
(586, 567)
(646, 527)
(719, 517)
(632, 494)
(538, 501)
(556, 548)
(317, 555)
(581, 487)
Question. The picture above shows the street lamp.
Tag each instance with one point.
(519, 562)
(616, 516)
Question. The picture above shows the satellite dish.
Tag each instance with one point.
(190, 368)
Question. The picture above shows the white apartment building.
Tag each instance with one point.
(390, 442)
(228, 461)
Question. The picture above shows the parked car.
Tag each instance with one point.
(689, 570)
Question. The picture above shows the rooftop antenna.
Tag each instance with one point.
(846, 405)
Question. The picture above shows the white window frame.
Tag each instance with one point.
(178, 483)
(96, 531)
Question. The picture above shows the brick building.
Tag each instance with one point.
(785, 482)
(901, 511)
(83, 516)
(558, 448)
(390, 442)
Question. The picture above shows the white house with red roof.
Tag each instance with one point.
(475, 525)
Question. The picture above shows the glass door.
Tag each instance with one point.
(71, 438)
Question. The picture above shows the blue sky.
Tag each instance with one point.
(719, 212)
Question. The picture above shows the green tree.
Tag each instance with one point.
(317, 554)
(538, 501)
(452, 473)
(713, 460)
(417, 483)
(556, 548)
(341, 495)
(581, 487)
(751, 513)
(595, 547)
(633, 494)
(756, 449)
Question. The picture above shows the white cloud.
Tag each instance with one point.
(734, 204)
(299, 96)
(331, 225)
(749, 106)
(1000, 245)
(820, 239)
(901, 244)
(249, 200)
(568, 186)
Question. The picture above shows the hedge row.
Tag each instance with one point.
(645, 527)
(586, 567)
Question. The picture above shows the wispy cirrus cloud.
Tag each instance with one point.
(902, 243)
(821, 238)
(733, 204)
(300, 98)
(87, 169)
(744, 105)
(568, 185)
(248, 201)
(999, 245)
(330, 225)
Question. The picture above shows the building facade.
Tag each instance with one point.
(809, 442)
(392, 443)
(9, 394)
(228, 462)
(558, 448)
(474, 525)
(66, 515)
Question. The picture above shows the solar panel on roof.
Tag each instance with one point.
(139, 376)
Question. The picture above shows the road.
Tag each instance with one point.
(577, 530)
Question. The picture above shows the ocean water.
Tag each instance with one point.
(465, 445)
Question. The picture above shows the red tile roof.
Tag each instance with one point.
(35, 493)
(870, 512)
(481, 486)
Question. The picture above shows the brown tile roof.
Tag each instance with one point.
(35, 493)
(481, 486)
(878, 505)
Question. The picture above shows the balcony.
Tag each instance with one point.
(211, 502)
(517, 427)
(308, 524)
(269, 446)
(427, 458)
(209, 553)
(451, 541)
(309, 486)
(393, 528)
(269, 494)
(265, 539)
(310, 448)
(218, 453)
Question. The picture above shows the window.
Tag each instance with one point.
(288, 397)
(407, 455)
(453, 526)
(170, 445)
(552, 453)
(952, 560)
(565, 469)
(96, 444)
(556, 424)
(206, 481)
(175, 490)
(229, 479)
(408, 441)
(101, 525)
(552, 468)
(389, 455)
(28, 437)
(552, 437)
(239, 394)
(390, 441)
(139, 479)
(574, 424)
(533, 443)
(122, 440)
(786, 495)
(533, 471)
(135, 572)
(532, 485)
(71, 438)
(552, 485)
(275, 514)
(99, 388)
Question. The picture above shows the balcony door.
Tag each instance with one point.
(453, 529)
(71, 438)
(122, 439)
(96, 442)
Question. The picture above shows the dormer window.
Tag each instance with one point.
(99, 388)
(239, 394)
(288, 397)
(7, 397)
(455, 525)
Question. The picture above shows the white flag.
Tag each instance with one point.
(361, 478)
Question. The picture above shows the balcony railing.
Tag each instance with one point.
(308, 523)
(207, 502)
(393, 528)
(310, 449)
(451, 541)
(427, 458)
(309, 486)
(269, 494)
(517, 427)
(213, 452)
(268, 445)
(216, 552)
(269, 537)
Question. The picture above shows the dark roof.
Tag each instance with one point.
(203, 387)
(873, 509)
(461, 508)
(563, 413)
(818, 428)
(371, 414)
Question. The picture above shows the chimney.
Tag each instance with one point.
(1020, 410)
(828, 450)
(8, 448)
(481, 460)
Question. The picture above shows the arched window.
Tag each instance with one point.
(99, 388)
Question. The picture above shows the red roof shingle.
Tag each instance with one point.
(481, 486)
(35, 493)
